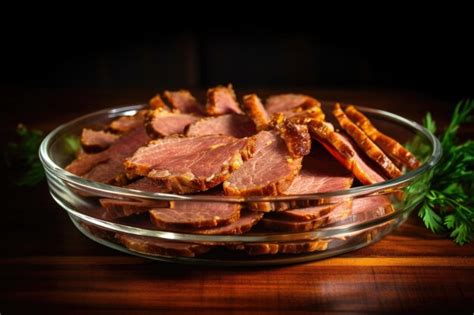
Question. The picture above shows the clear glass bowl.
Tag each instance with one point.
(80, 198)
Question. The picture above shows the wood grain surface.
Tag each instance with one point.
(47, 266)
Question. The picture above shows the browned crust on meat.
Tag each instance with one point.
(152, 246)
(338, 149)
(364, 142)
(212, 107)
(389, 145)
(325, 132)
(157, 103)
(283, 248)
(210, 222)
(96, 145)
(270, 189)
(170, 97)
(307, 111)
(296, 137)
(254, 108)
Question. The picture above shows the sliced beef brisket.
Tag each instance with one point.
(183, 101)
(342, 148)
(389, 145)
(190, 164)
(152, 246)
(222, 100)
(365, 144)
(162, 123)
(196, 215)
(285, 102)
(269, 172)
(234, 125)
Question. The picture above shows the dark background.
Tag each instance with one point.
(295, 51)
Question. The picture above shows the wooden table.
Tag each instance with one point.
(47, 266)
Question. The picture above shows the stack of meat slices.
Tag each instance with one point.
(256, 148)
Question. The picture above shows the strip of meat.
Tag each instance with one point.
(294, 223)
(188, 214)
(183, 101)
(162, 123)
(190, 164)
(234, 125)
(255, 110)
(284, 102)
(107, 166)
(247, 220)
(365, 209)
(222, 100)
(389, 145)
(157, 103)
(283, 248)
(364, 142)
(96, 140)
(341, 147)
(153, 246)
(269, 172)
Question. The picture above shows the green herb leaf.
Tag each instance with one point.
(449, 203)
(21, 157)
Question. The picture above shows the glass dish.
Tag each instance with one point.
(80, 198)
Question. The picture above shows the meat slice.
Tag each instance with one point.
(342, 148)
(107, 166)
(318, 216)
(222, 100)
(119, 208)
(183, 101)
(96, 140)
(365, 144)
(189, 214)
(283, 248)
(389, 145)
(365, 209)
(247, 220)
(306, 214)
(320, 173)
(302, 114)
(162, 123)
(125, 124)
(255, 110)
(235, 125)
(190, 164)
(269, 172)
(153, 246)
(285, 102)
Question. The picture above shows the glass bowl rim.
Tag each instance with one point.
(114, 191)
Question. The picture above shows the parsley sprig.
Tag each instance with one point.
(449, 203)
(21, 156)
